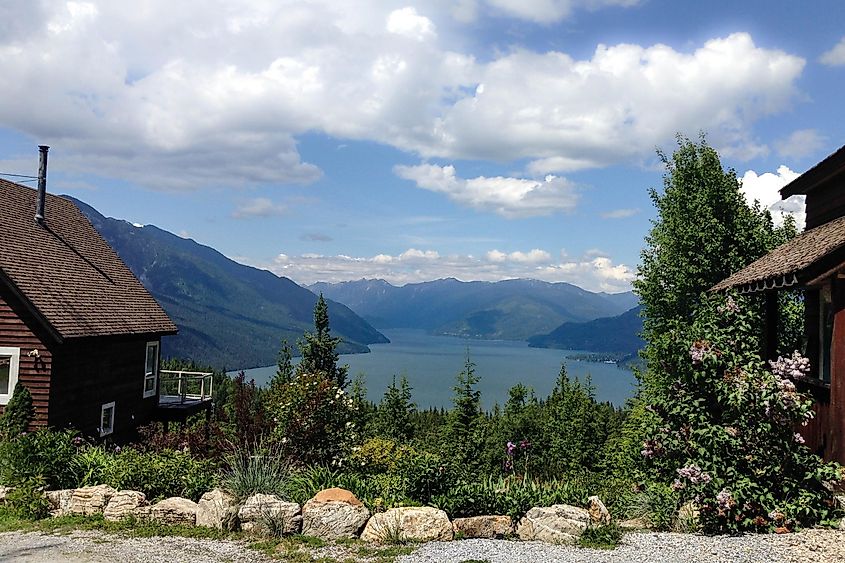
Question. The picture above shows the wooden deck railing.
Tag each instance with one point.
(184, 387)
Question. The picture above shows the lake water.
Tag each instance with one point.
(432, 362)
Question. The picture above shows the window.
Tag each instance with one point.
(107, 419)
(151, 369)
(9, 361)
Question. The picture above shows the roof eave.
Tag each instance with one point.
(830, 167)
(39, 317)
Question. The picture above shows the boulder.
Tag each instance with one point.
(408, 523)
(599, 514)
(483, 526)
(4, 491)
(173, 511)
(560, 523)
(336, 494)
(217, 509)
(59, 502)
(635, 524)
(90, 500)
(124, 504)
(334, 514)
(268, 513)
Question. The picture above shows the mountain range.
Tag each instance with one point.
(510, 310)
(228, 314)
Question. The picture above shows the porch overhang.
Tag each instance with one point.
(805, 261)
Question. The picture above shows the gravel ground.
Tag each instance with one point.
(89, 547)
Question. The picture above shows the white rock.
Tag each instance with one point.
(334, 519)
(599, 514)
(261, 511)
(124, 504)
(174, 510)
(560, 523)
(217, 509)
(408, 523)
(59, 502)
(90, 500)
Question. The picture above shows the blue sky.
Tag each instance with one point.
(480, 139)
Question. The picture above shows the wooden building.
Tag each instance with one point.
(814, 262)
(77, 328)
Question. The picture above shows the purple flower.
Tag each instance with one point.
(795, 366)
(798, 438)
(77, 441)
(524, 445)
(694, 474)
(511, 447)
(725, 499)
(677, 485)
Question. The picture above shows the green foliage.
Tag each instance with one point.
(513, 497)
(394, 413)
(704, 232)
(245, 417)
(158, 474)
(18, 413)
(724, 427)
(464, 432)
(44, 455)
(319, 349)
(27, 500)
(601, 537)
(259, 470)
(656, 504)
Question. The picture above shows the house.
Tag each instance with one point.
(814, 262)
(77, 328)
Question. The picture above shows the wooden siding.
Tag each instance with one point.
(19, 329)
(91, 372)
(825, 203)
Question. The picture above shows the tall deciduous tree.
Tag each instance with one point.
(704, 232)
(319, 348)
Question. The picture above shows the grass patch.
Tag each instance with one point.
(601, 537)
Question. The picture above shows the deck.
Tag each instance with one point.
(183, 393)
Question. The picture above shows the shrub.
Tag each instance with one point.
(27, 500)
(160, 474)
(91, 464)
(44, 455)
(601, 537)
(723, 434)
(18, 413)
(656, 504)
(258, 471)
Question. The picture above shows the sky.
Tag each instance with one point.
(328, 140)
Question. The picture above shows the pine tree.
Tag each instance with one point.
(394, 418)
(464, 421)
(319, 349)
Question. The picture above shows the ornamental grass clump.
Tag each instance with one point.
(722, 431)
(258, 470)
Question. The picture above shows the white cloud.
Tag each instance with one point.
(620, 213)
(258, 207)
(176, 96)
(800, 143)
(765, 188)
(596, 273)
(509, 197)
(406, 21)
(836, 55)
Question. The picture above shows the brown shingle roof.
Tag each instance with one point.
(799, 257)
(64, 269)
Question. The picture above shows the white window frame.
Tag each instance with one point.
(154, 374)
(14, 368)
(105, 431)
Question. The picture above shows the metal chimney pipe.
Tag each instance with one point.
(42, 183)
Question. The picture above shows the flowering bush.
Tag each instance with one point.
(313, 419)
(723, 433)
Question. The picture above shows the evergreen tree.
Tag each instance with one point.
(464, 426)
(395, 412)
(18, 413)
(319, 349)
(284, 363)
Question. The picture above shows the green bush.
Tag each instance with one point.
(723, 432)
(159, 474)
(44, 455)
(656, 505)
(27, 500)
(18, 413)
(601, 537)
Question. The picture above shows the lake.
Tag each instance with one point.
(432, 362)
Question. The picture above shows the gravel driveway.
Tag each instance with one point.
(808, 546)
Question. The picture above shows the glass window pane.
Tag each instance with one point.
(149, 384)
(107, 419)
(4, 376)
(152, 353)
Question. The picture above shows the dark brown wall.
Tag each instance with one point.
(19, 329)
(825, 203)
(93, 371)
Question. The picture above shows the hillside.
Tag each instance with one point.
(510, 309)
(228, 314)
(613, 335)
